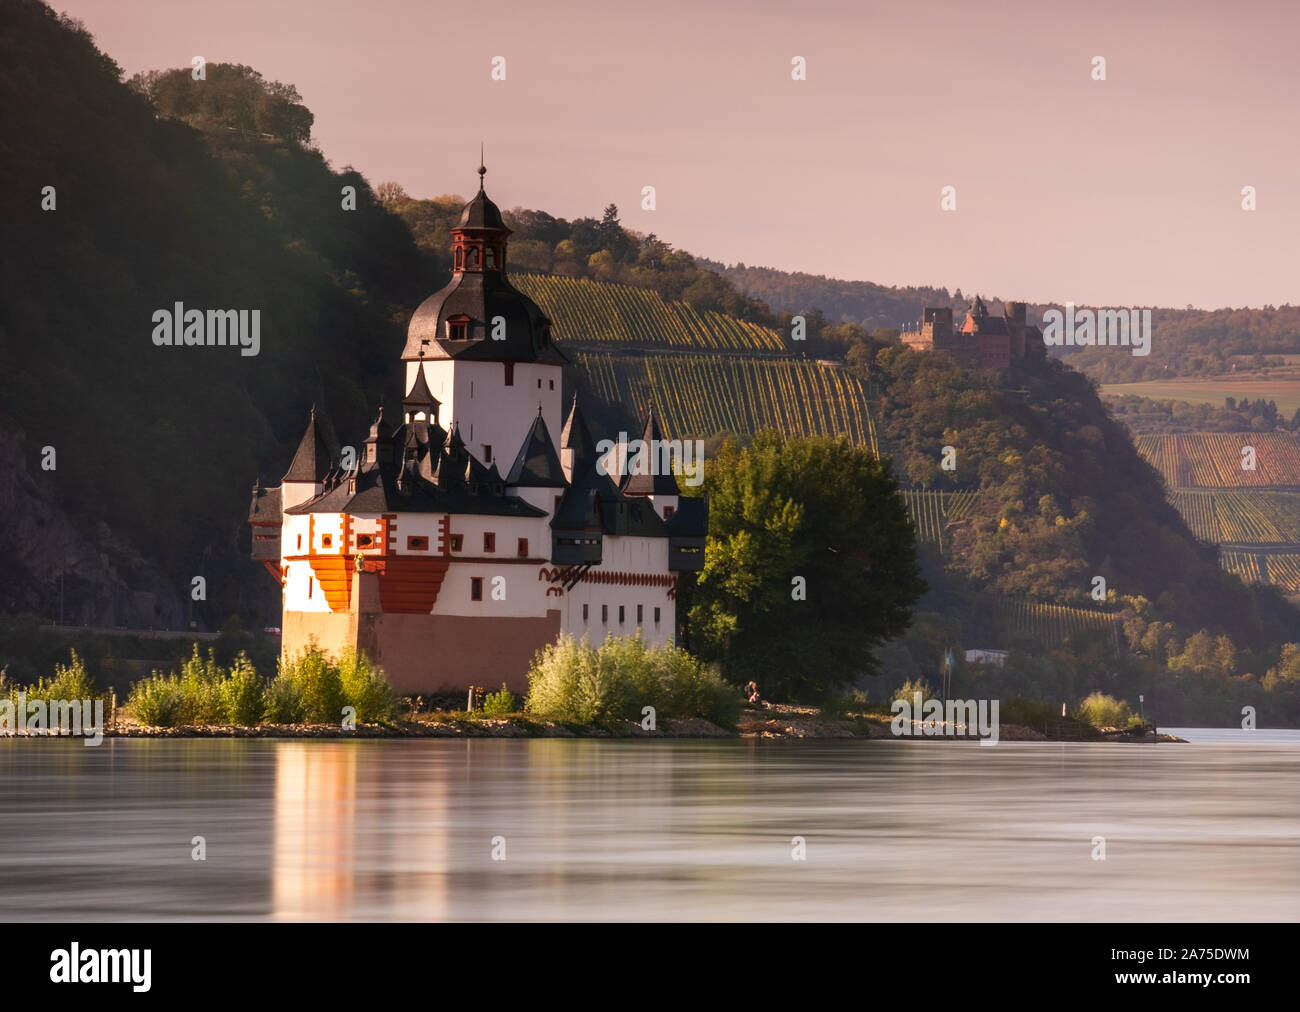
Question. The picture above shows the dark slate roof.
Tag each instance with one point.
(482, 213)
(577, 437)
(691, 520)
(265, 507)
(420, 394)
(375, 489)
(480, 296)
(537, 465)
(649, 484)
(312, 460)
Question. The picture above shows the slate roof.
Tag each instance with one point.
(537, 465)
(312, 460)
(650, 459)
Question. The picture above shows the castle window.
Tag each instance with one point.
(414, 544)
(510, 374)
(460, 257)
(472, 259)
(669, 511)
(656, 616)
(457, 542)
(490, 257)
(365, 541)
(638, 614)
(456, 331)
(300, 542)
(584, 613)
(552, 384)
(539, 383)
(489, 541)
(604, 613)
(326, 541)
(311, 582)
(620, 614)
(487, 453)
(476, 588)
(523, 548)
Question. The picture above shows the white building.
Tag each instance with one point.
(464, 539)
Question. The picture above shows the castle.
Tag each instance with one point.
(463, 539)
(985, 341)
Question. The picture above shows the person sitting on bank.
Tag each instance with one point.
(751, 694)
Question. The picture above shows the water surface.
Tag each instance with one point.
(622, 830)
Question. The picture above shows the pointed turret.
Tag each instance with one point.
(649, 472)
(577, 451)
(420, 400)
(537, 465)
(312, 460)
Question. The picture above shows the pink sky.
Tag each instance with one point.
(1123, 192)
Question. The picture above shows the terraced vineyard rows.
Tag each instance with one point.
(592, 312)
(1284, 570)
(701, 395)
(1241, 517)
(1214, 459)
(1247, 565)
(1051, 624)
(932, 509)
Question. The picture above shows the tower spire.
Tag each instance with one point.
(482, 169)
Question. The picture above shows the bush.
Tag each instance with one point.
(571, 678)
(366, 689)
(1101, 710)
(910, 688)
(1032, 713)
(497, 704)
(200, 686)
(243, 693)
(319, 683)
(70, 681)
(283, 701)
(157, 701)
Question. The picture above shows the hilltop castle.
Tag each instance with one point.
(985, 341)
(463, 539)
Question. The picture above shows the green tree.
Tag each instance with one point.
(810, 564)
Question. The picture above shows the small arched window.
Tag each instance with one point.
(472, 259)
(490, 257)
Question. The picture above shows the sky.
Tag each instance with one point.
(1118, 192)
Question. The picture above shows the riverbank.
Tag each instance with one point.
(773, 721)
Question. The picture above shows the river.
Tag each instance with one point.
(548, 829)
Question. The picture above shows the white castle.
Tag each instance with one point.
(446, 569)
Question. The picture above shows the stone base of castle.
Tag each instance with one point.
(424, 654)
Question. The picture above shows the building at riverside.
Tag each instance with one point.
(464, 537)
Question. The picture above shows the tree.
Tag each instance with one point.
(810, 563)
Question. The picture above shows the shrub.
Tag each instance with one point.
(157, 701)
(497, 704)
(571, 678)
(1101, 710)
(284, 703)
(910, 688)
(70, 681)
(319, 683)
(1028, 713)
(366, 689)
(243, 693)
(200, 686)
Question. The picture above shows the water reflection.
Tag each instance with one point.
(322, 830)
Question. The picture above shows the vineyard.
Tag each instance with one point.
(1050, 624)
(622, 317)
(702, 395)
(1281, 569)
(932, 510)
(1241, 517)
(1214, 459)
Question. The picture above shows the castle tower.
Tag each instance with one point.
(483, 348)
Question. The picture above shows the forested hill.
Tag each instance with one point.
(156, 447)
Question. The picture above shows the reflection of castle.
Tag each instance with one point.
(985, 341)
(443, 554)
